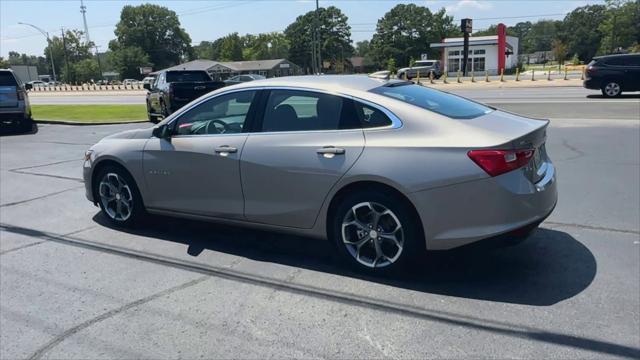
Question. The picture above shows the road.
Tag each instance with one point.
(73, 287)
(544, 102)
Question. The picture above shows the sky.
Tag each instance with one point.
(209, 20)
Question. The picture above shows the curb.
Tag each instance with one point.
(75, 123)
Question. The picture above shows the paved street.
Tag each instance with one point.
(545, 102)
(73, 287)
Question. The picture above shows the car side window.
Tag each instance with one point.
(296, 110)
(224, 114)
(371, 117)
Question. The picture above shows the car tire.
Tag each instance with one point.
(611, 88)
(163, 109)
(26, 125)
(118, 196)
(366, 244)
(152, 118)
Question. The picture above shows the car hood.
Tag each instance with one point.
(131, 134)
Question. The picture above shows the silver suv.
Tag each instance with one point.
(424, 67)
(15, 109)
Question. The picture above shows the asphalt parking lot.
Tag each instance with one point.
(73, 287)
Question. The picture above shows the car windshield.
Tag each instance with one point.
(433, 100)
(187, 76)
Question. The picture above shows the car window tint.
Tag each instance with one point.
(433, 100)
(225, 114)
(371, 117)
(292, 110)
(616, 61)
(633, 60)
(187, 76)
(7, 79)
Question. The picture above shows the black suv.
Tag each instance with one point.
(614, 74)
(15, 109)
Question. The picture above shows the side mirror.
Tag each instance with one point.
(28, 86)
(162, 132)
(147, 86)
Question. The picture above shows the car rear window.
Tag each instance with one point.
(7, 79)
(433, 100)
(187, 76)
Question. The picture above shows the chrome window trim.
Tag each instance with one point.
(396, 123)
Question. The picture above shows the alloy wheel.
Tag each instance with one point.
(116, 197)
(612, 89)
(373, 235)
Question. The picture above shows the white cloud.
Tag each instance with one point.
(467, 5)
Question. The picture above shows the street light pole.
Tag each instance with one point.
(46, 34)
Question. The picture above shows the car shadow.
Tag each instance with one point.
(547, 268)
(622, 96)
(13, 130)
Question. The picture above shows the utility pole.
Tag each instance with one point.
(66, 55)
(46, 34)
(466, 27)
(318, 40)
(99, 65)
(83, 10)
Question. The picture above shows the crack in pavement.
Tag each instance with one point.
(341, 297)
(47, 175)
(104, 316)
(44, 241)
(43, 165)
(40, 197)
(589, 227)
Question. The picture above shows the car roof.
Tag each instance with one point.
(614, 56)
(338, 83)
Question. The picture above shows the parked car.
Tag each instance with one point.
(424, 67)
(613, 74)
(174, 89)
(243, 78)
(148, 80)
(436, 171)
(15, 109)
(129, 82)
(35, 83)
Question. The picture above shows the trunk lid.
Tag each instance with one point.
(187, 91)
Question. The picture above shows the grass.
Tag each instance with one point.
(90, 114)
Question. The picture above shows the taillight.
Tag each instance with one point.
(20, 94)
(591, 70)
(497, 162)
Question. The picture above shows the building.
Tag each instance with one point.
(486, 53)
(224, 70)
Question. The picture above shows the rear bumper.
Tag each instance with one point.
(465, 213)
(13, 116)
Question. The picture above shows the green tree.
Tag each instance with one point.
(559, 50)
(334, 34)
(231, 48)
(76, 50)
(362, 48)
(265, 46)
(4, 63)
(540, 36)
(86, 70)
(580, 32)
(406, 31)
(156, 31)
(621, 26)
(208, 50)
(128, 60)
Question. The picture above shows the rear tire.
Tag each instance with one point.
(611, 88)
(118, 196)
(375, 232)
(152, 118)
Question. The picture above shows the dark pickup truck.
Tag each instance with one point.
(172, 89)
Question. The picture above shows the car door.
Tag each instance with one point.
(304, 142)
(197, 169)
(633, 71)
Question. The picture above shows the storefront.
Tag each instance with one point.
(486, 53)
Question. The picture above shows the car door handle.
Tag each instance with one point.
(330, 151)
(225, 150)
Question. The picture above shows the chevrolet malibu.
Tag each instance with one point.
(385, 169)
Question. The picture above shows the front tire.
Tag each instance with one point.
(152, 118)
(611, 89)
(375, 232)
(118, 196)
